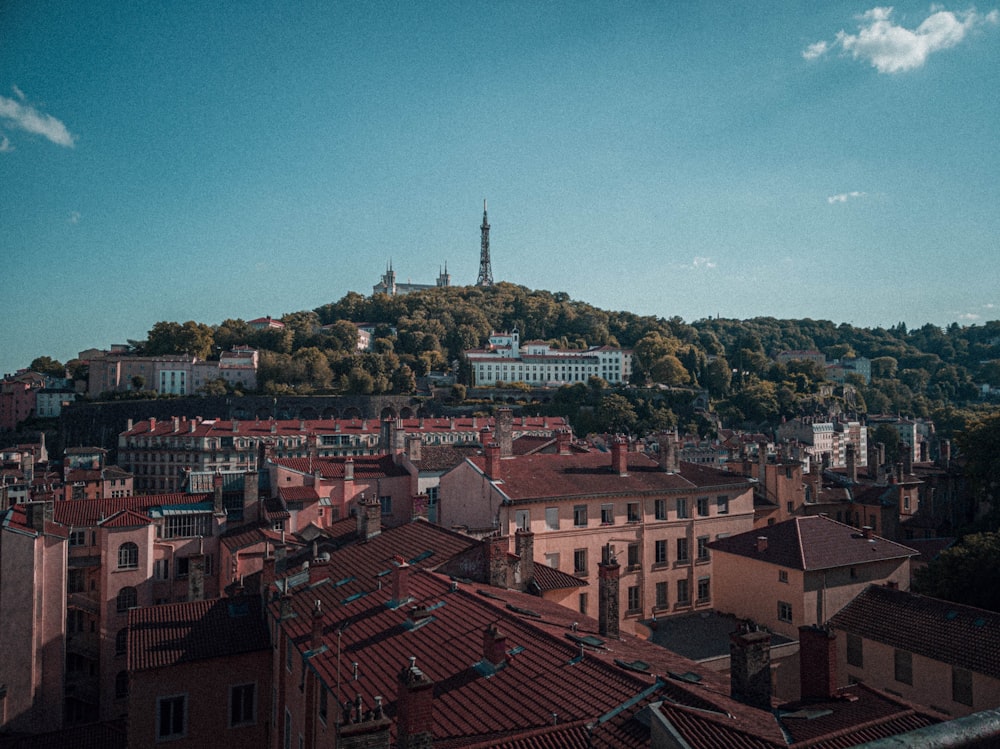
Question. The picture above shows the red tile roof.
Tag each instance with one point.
(243, 537)
(183, 632)
(126, 519)
(812, 543)
(549, 578)
(948, 632)
(366, 467)
(84, 512)
(298, 493)
(439, 458)
(587, 474)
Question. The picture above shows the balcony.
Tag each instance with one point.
(84, 602)
(77, 562)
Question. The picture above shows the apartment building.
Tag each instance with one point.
(170, 374)
(655, 515)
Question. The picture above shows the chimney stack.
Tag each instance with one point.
(492, 453)
(524, 542)
(37, 514)
(496, 560)
(413, 447)
(852, 463)
(505, 432)
(619, 456)
(217, 506)
(494, 646)
(251, 497)
(401, 582)
(817, 662)
(196, 577)
(414, 709)
(563, 437)
(349, 469)
(369, 519)
(608, 602)
(761, 544)
(750, 668)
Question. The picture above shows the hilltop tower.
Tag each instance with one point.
(485, 271)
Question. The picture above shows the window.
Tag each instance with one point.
(607, 514)
(552, 559)
(722, 505)
(171, 717)
(633, 556)
(702, 548)
(580, 561)
(660, 552)
(128, 556)
(633, 598)
(583, 603)
(784, 611)
(961, 686)
(552, 518)
(78, 538)
(127, 599)
(660, 509)
(161, 569)
(580, 515)
(855, 651)
(121, 685)
(682, 507)
(661, 595)
(702, 506)
(633, 512)
(683, 591)
(704, 589)
(76, 580)
(903, 666)
(522, 520)
(386, 503)
(121, 641)
(683, 553)
(187, 526)
(243, 704)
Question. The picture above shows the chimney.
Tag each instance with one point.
(349, 470)
(363, 729)
(413, 445)
(37, 514)
(385, 436)
(750, 668)
(28, 468)
(907, 459)
(762, 454)
(852, 463)
(401, 582)
(524, 542)
(563, 437)
(619, 456)
(129, 425)
(492, 453)
(316, 638)
(251, 497)
(414, 709)
(369, 519)
(866, 531)
(152, 425)
(496, 560)
(505, 432)
(285, 607)
(236, 426)
(175, 424)
(817, 662)
(607, 597)
(761, 544)
(494, 646)
(192, 425)
(217, 506)
(196, 577)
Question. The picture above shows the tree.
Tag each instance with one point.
(980, 444)
(890, 438)
(616, 414)
(669, 370)
(48, 366)
(138, 382)
(968, 573)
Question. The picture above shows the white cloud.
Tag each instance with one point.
(843, 197)
(18, 93)
(891, 48)
(24, 116)
(700, 263)
(989, 305)
(969, 316)
(5, 144)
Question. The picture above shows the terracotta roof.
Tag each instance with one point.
(440, 458)
(243, 537)
(183, 632)
(126, 519)
(813, 542)
(929, 548)
(366, 467)
(298, 493)
(549, 578)
(82, 512)
(958, 635)
(587, 474)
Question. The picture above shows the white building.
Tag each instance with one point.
(536, 363)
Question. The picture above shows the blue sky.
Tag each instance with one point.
(179, 161)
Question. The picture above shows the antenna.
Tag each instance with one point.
(485, 271)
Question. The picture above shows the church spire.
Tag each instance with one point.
(485, 271)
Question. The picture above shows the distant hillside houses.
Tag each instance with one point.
(538, 364)
(836, 370)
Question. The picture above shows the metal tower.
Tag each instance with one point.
(485, 271)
